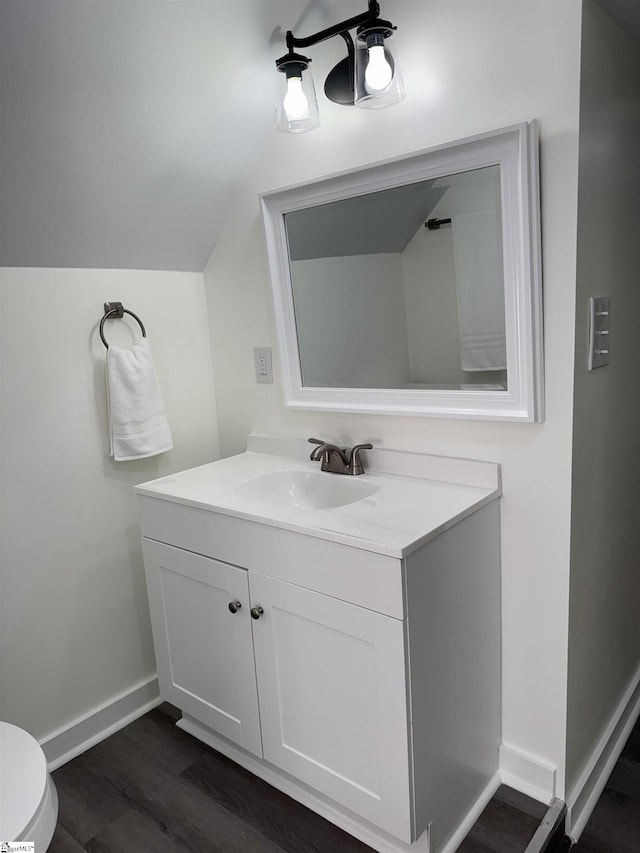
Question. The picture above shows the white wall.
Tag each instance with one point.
(351, 321)
(468, 67)
(604, 638)
(432, 309)
(74, 624)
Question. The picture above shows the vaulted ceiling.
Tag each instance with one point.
(126, 126)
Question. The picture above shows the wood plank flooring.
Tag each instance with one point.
(506, 825)
(614, 826)
(151, 788)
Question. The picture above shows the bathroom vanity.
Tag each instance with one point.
(338, 636)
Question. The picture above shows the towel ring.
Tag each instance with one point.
(115, 311)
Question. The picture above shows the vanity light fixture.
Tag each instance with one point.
(369, 76)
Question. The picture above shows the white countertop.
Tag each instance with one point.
(404, 513)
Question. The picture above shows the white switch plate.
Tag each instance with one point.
(599, 331)
(262, 362)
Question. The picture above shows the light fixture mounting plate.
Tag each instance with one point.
(338, 86)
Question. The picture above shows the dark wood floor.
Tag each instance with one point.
(151, 788)
(614, 826)
(506, 825)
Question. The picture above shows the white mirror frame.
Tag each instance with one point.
(515, 150)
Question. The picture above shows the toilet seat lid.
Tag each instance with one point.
(23, 780)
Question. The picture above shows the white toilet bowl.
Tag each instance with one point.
(28, 797)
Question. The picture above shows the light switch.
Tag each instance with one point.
(599, 331)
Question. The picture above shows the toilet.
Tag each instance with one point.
(28, 797)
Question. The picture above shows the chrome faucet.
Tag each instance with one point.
(338, 460)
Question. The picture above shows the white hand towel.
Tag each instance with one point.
(137, 422)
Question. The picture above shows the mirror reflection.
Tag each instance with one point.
(402, 288)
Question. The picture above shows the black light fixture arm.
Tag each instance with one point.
(351, 51)
(341, 29)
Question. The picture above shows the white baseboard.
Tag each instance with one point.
(527, 773)
(72, 740)
(585, 793)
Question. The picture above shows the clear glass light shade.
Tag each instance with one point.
(296, 104)
(378, 81)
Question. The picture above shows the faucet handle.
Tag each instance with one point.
(315, 453)
(355, 463)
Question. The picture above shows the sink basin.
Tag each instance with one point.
(306, 489)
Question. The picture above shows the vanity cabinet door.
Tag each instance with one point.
(333, 699)
(204, 652)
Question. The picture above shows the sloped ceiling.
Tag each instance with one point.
(127, 125)
(371, 224)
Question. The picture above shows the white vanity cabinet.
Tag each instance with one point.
(351, 657)
(314, 685)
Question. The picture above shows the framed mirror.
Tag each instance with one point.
(413, 286)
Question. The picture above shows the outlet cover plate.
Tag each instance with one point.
(262, 364)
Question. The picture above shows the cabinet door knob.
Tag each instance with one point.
(256, 612)
(234, 606)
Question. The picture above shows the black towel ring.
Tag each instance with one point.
(114, 310)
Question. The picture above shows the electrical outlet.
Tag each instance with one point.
(262, 363)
